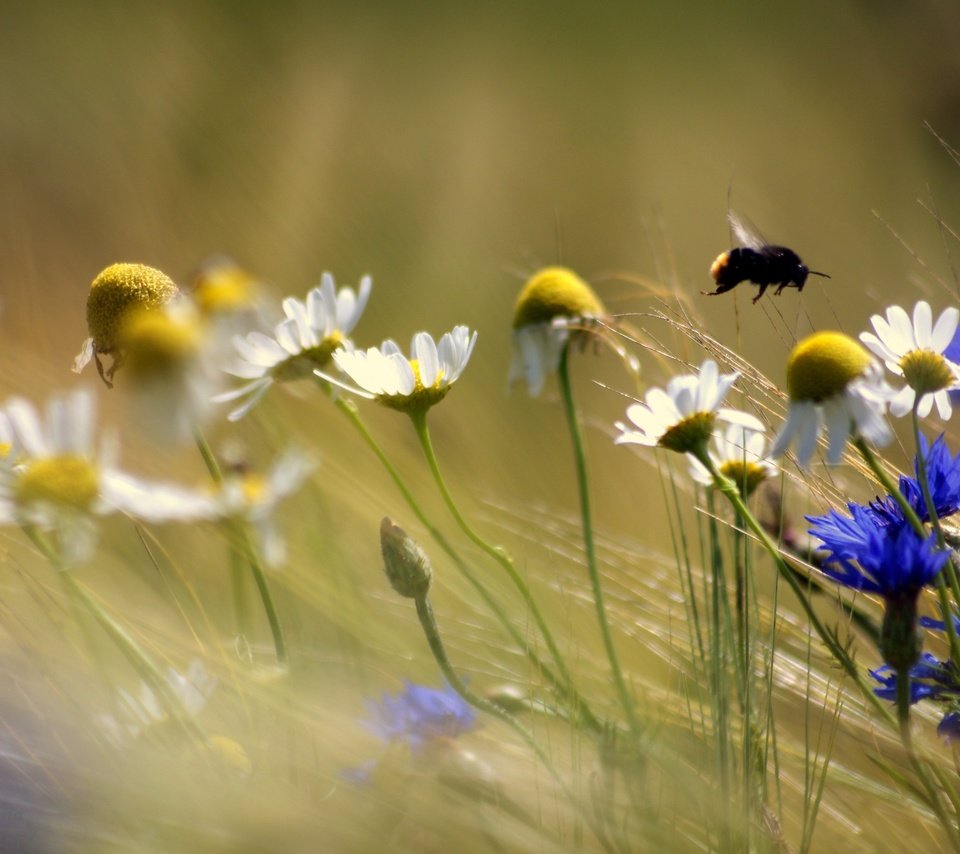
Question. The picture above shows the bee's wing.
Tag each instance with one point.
(744, 234)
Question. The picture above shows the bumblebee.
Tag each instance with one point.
(758, 262)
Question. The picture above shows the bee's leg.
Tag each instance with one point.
(780, 287)
(721, 289)
(762, 289)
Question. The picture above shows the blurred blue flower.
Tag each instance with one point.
(419, 714)
(943, 475)
(949, 727)
(953, 349)
(930, 679)
(891, 560)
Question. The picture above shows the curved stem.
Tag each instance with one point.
(209, 458)
(885, 480)
(241, 535)
(141, 662)
(431, 631)
(580, 460)
(575, 701)
(498, 553)
(949, 575)
(256, 569)
(729, 489)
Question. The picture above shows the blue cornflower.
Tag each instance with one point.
(892, 560)
(419, 714)
(930, 679)
(869, 552)
(848, 536)
(943, 475)
(949, 727)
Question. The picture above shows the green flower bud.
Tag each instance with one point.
(406, 564)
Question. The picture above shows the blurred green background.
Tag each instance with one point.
(443, 148)
(449, 150)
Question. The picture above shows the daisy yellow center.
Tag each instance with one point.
(224, 289)
(155, 344)
(690, 433)
(421, 398)
(823, 365)
(747, 476)
(926, 372)
(67, 479)
(302, 365)
(117, 291)
(254, 487)
(555, 292)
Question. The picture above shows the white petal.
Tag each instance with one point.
(922, 324)
(902, 402)
(744, 419)
(878, 348)
(945, 329)
(26, 426)
(424, 350)
(901, 339)
(943, 405)
(808, 428)
(837, 420)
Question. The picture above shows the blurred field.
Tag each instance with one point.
(448, 150)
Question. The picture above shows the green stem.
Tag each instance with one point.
(432, 633)
(141, 662)
(729, 489)
(573, 424)
(246, 549)
(209, 458)
(887, 482)
(949, 575)
(242, 533)
(903, 707)
(498, 553)
(575, 701)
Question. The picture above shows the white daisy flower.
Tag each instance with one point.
(254, 499)
(682, 417)
(739, 453)
(305, 341)
(915, 351)
(832, 381)
(554, 308)
(409, 384)
(60, 482)
(190, 690)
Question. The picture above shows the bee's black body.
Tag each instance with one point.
(760, 263)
